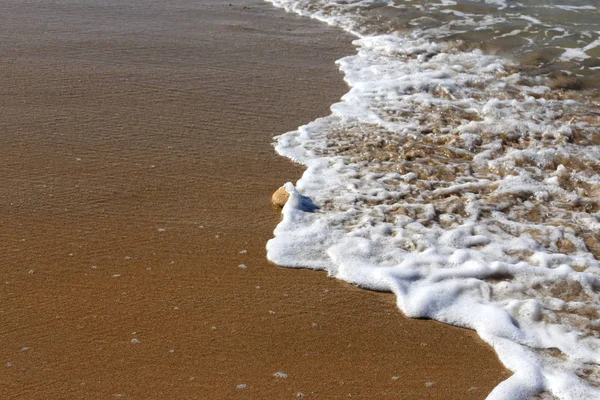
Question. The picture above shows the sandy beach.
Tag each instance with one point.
(135, 184)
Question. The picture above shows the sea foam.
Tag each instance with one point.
(464, 186)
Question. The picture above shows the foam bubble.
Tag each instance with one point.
(468, 190)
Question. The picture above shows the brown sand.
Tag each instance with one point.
(136, 170)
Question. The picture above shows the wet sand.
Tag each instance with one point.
(135, 178)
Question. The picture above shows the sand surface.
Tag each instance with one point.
(135, 178)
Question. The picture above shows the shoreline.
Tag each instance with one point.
(137, 181)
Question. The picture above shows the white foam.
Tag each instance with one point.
(593, 44)
(427, 180)
(531, 19)
(574, 54)
(574, 8)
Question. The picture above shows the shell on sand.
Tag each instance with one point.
(280, 197)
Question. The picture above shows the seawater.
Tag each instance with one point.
(462, 173)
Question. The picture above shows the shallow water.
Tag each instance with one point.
(460, 173)
(546, 36)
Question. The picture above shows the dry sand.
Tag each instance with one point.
(135, 178)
